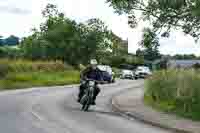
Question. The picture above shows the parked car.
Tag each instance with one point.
(108, 74)
(142, 72)
(127, 74)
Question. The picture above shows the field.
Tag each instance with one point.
(16, 74)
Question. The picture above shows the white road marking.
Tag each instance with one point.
(37, 116)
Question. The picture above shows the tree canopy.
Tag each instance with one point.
(150, 45)
(64, 39)
(163, 15)
(61, 38)
(185, 57)
(9, 41)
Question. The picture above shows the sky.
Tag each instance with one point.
(18, 17)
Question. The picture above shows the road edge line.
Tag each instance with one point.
(134, 115)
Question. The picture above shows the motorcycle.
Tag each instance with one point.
(87, 98)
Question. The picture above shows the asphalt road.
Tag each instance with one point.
(54, 110)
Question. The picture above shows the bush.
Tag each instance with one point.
(196, 66)
(175, 91)
(116, 71)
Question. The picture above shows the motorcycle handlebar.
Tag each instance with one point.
(97, 81)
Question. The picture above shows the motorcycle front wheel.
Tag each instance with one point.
(86, 106)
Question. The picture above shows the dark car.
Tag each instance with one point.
(107, 77)
(108, 74)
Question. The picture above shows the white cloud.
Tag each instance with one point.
(13, 10)
(20, 7)
(20, 24)
(83, 10)
(135, 36)
(177, 43)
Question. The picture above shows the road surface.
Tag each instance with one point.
(54, 110)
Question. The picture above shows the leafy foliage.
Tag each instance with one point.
(9, 52)
(64, 39)
(196, 66)
(10, 41)
(150, 43)
(185, 57)
(60, 38)
(164, 15)
(150, 39)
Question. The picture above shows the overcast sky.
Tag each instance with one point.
(19, 16)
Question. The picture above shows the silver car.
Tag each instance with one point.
(142, 72)
(127, 74)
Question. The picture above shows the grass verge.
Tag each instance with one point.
(34, 79)
(15, 74)
(175, 91)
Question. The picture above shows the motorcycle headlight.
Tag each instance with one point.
(83, 82)
(91, 83)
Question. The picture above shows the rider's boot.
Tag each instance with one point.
(97, 91)
(93, 102)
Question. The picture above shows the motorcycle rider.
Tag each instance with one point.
(91, 72)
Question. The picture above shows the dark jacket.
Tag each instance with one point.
(90, 73)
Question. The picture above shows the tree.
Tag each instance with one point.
(196, 66)
(9, 52)
(1, 40)
(150, 39)
(53, 18)
(3, 52)
(163, 15)
(139, 53)
(150, 44)
(118, 46)
(64, 39)
(12, 40)
(97, 36)
(185, 57)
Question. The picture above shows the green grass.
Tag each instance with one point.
(16, 74)
(175, 91)
(33, 79)
(30, 66)
(170, 107)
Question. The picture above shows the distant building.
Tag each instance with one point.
(182, 63)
